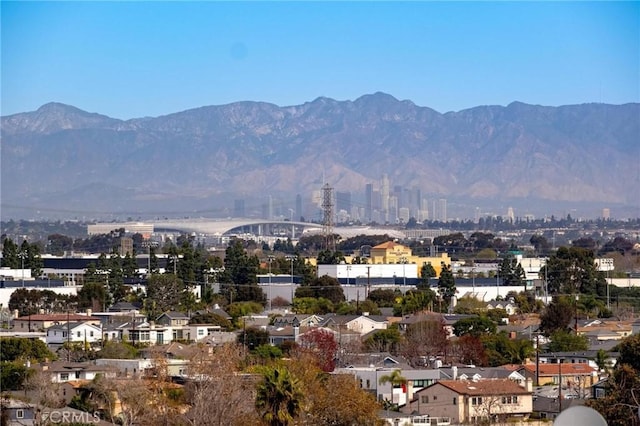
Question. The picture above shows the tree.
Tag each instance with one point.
(573, 270)
(384, 340)
(239, 278)
(323, 287)
(427, 272)
(10, 254)
(629, 349)
(218, 394)
(567, 341)
(322, 344)
(511, 272)
(620, 404)
(278, 397)
(427, 337)
(253, 337)
(384, 298)
(447, 283)
(470, 350)
(474, 326)
(164, 293)
(15, 348)
(340, 402)
(557, 315)
(396, 379)
(331, 399)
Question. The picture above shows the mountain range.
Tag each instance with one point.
(63, 161)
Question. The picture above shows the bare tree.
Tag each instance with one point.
(43, 391)
(217, 392)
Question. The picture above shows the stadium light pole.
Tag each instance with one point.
(22, 256)
(270, 260)
(291, 259)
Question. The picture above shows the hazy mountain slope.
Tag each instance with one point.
(62, 155)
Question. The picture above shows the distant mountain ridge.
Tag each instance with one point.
(61, 157)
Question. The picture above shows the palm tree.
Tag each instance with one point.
(395, 378)
(279, 397)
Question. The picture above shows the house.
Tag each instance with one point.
(369, 373)
(16, 412)
(471, 401)
(61, 371)
(173, 318)
(361, 324)
(479, 373)
(126, 367)
(41, 322)
(298, 320)
(74, 332)
(508, 305)
(575, 378)
(68, 390)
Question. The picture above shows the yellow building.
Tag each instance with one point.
(392, 252)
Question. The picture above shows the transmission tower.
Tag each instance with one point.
(327, 222)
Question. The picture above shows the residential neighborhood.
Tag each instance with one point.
(434, 351)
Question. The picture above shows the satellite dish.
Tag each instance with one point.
(580, 415)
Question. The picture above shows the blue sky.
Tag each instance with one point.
(134, 59)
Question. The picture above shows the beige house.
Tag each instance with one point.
(466, 401)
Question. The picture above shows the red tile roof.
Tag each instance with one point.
(57, 317)
(565, 369)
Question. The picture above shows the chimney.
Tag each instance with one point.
(528, 384)
(89, 312)
(366, 314)
(454, 372)
(16, 313)
(41, 311)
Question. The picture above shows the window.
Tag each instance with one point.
(509, 399)
(425, 399)
(455, 400)
(64, 376)
(200, 332)
(435, 397)
(20, 414)
(79, 334)
(368, 384)
(77, 374)
(476, 400)
(91, 333)
(422, 383)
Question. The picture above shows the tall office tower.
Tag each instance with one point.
(434, 211)
(238, 208)
(269, 207)
(384, 195)
(424, 210)
(606, 214)
(476, 217)
(343, 201)
(510, 215)
(442, 209)
(403, 214)
(298, 207)
(392, 214)
(397, 192)
(368, 202)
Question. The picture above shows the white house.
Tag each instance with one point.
(73, 332)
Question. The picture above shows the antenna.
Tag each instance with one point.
(327, 222)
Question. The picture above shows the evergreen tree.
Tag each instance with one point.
(10, 258)
(447, 283)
